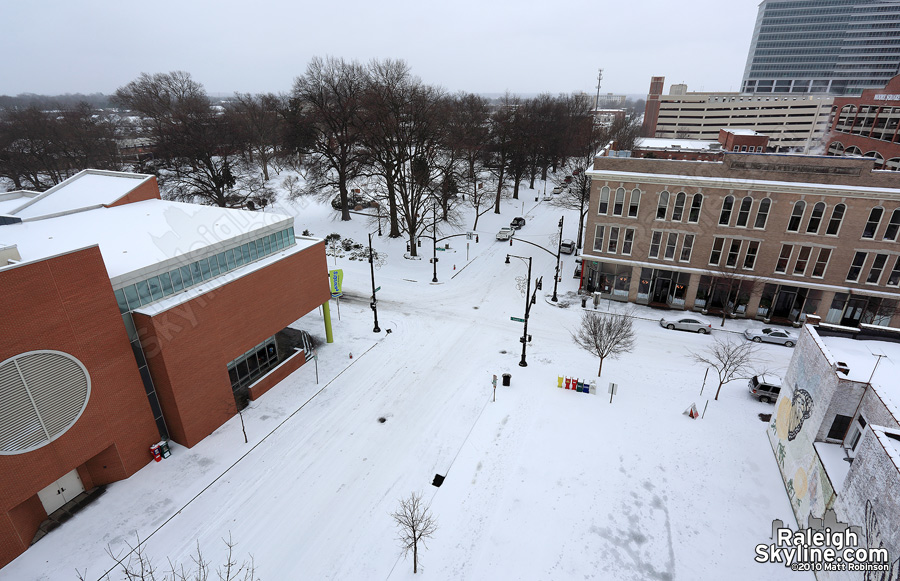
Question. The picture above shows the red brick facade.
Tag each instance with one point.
(189, 346)
(868, 124)
(148, 190)
(66, 303)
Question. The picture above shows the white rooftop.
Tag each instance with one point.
(86, 189)
(136, 235)
(677, 144)
(739, 131)
(12, 200)
(861, 357)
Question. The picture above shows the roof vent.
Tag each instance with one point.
(7, 219)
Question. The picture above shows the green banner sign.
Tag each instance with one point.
(335, 278)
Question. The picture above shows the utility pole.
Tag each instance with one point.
(434, 232)
(599, 78)
(530, 299)
(374, 300)
(558, 250)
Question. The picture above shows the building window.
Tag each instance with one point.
(678, 210)
(784, 258)
(253, 364)
(750, 258)
(663, 205)
(716, 254)
(733, 252)
(890, 233)
(619, 204)
(839, 427)
(725, 216)
(696, 204)
(796, 216)
(873, 222)
(603, 206)
(671, 243)
(598, 238)
(856, 267)
(613, 244)
(802, 260)
(627, 241)
(655, 241)
(894, 278)
(686, 248)
(821, 263)
(634, 203)
(736, 148)
(744, 212)
(834, 224)
(815, 219)
(762, 213)
(877, 268)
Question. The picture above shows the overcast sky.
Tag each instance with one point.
(486, 46)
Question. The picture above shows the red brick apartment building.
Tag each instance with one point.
(766, 236)
(128, 319)
(868, 125)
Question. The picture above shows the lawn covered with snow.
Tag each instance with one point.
(544, 483)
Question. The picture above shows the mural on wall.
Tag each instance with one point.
(792, 432)
(875, 540)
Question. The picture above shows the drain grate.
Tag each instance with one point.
(438, 480)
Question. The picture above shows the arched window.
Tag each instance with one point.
(619, 204)
(890, 233)
(678, 210)
(696, 204)
(836, 148)
(663, 205)
(603, 206)
(634, 203)
(762, 213)
(744, 212)
(873, 222)
(727, 205)
(796, 216)
(815, 219)
(834, 224)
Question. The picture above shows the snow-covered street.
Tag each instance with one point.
(544, 483)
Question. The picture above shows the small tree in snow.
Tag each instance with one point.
(605, 336)
(731, 360)
(415, 524)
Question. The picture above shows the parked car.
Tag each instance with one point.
(547, 197)
(567, 246)
(577, 268)
(778, 336)
(687, 323)
(558, 190)
(354, 200)
(517, 222)
(505, 233)
(765, 388)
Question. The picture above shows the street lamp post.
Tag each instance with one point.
(558, 251)
(434, 232)
(529, 300)
(374, 304)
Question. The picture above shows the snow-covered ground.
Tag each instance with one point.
(544, 483)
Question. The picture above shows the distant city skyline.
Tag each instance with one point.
(97, 46)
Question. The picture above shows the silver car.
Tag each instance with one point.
(777, 336)
(567, 246)
(687, 323)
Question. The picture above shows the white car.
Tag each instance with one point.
(558, 190)
(567, 246)
(548, 197)
(505, 233)
(687, 322)
(768, 335)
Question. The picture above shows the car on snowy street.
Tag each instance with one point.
(765, 388)
(567, 246)
(687, 323)
(558, 190)
(505, 233)
(767, 335)
(517, 222)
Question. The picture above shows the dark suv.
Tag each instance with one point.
(517, 222)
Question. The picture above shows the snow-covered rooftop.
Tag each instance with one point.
(137, 235)
(739, 131)
(12, 200)
(861, 357)
(678, 144)
(86, 189)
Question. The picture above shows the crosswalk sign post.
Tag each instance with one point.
(494, 381)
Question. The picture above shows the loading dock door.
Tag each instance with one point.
(61, 491)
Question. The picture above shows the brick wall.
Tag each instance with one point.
(148, 190)
(189, 346)
(66, 304)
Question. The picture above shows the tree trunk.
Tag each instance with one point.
(499, 190)
(599, 371)
(718, 390)
(415, 558)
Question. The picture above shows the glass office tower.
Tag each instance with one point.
(823, 46)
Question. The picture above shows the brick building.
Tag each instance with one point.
(128, 319)
(836, 436)
(868, 125)
(736, 140)
(773, 237)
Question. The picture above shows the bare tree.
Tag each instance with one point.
(605, 335)
(135, 565)
(729, 290)
(260, 120)
(731, 359)
(415, 524)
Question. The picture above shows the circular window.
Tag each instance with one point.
(43, 393)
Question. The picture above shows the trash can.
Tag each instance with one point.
(583, 301)
(506, 377)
